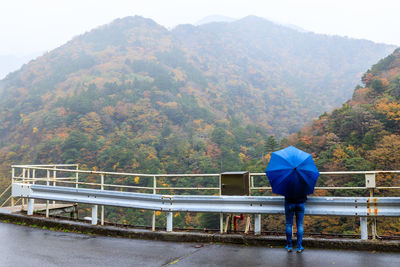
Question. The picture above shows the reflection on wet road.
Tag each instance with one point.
(25, 246)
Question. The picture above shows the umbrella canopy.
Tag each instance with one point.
(292, 173)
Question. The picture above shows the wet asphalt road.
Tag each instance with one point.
(24, 246)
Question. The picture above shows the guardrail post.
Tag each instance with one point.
(170, 216)
(30, 206)
(257, 224)
(363, 228)
(221, 223)
(94, 214)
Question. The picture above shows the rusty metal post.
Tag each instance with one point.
(373, 221)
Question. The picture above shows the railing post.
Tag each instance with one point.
(76, 177)
(102, 206)
(31, 201)
(23, 181)
(12, 182)
(153, 221)
(257, 224)
(170, 217)
(47, 202)
(363, 228)
(220, 190)
(94, 214)
(54, 183)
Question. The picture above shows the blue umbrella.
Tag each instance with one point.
(292, 172)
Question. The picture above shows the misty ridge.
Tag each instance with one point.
(251, 56)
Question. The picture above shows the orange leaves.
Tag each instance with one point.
(385, 82)
(109, 110)
(91, 123)
(390, 109)
(339, 154)
(213, 151)
(267, 157)
(367, 78)
(307, 139)
(61, 112)
(242, 156)
(386, 153)
(115, 166)
(171, 104)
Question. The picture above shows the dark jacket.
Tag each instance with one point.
(296, 200)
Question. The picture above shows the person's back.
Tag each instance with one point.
(294, 206)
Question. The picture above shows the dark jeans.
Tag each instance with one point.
(290, 210)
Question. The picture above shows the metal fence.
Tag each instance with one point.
(68, 183)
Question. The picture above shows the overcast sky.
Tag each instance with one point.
(29, 26)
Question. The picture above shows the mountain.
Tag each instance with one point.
(364, 133)
(285, 77)
(134, 96)
(10, 63)
(214, 18)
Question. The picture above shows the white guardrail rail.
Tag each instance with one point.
(27, 185)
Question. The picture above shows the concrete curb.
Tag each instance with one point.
(269, 241)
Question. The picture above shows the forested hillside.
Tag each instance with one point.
(133, 96)
(364, 134)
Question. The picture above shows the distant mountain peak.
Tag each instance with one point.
(214, 18)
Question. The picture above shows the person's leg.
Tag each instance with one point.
(299, 226)
(289, 212)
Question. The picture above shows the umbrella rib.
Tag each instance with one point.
(283, 179)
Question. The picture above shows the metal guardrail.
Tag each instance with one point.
(334, 206)
(44, 182)
(362, 207)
